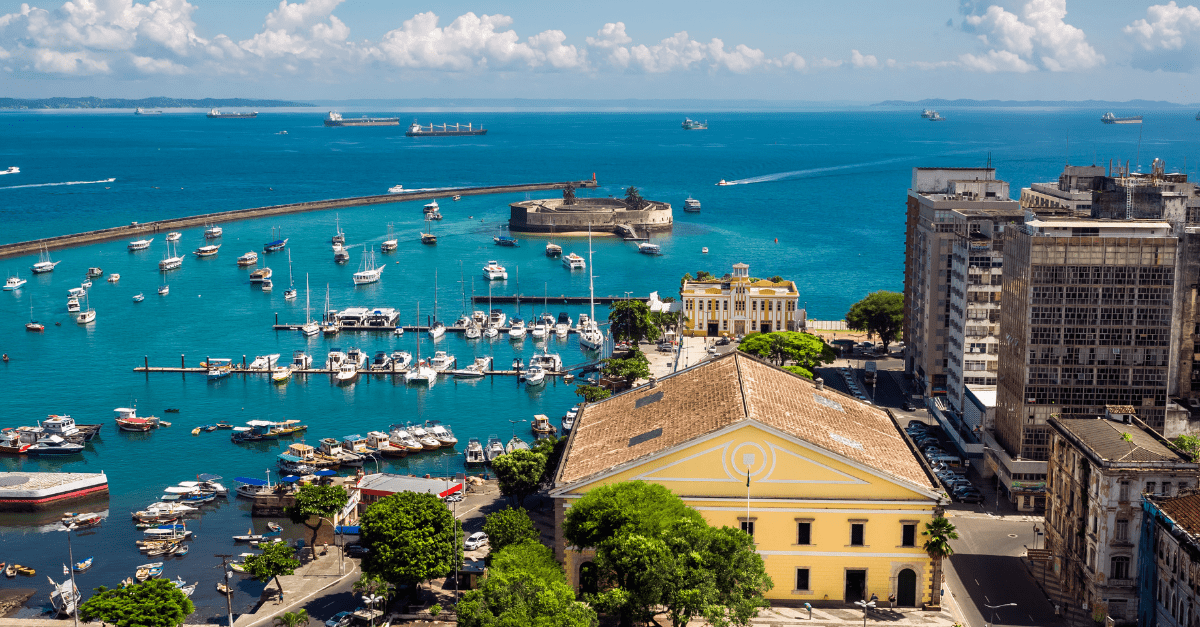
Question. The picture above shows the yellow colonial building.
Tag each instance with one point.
(837, 497)
(735, 305)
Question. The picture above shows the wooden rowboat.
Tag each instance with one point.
(25, 571)
(11, 571)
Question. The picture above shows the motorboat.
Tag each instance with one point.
(442, 362)
(496, 319)
(437, 329)
(264, 362)
(553, 250)
(174, 236)
(646, 248)
(128, 420)
(140, 244)
(14, 282)
(341, 255)
(170, 261)
(476, 370)
(267, 285)
(494, 449)
(516, 444)
(396, 189)
(95, 273)
(402, 438)
(541, 425)
(44, 263)
(80, 521)
(568, 420)
(218, 368)
(281, 374)
(164, 289)
(562, 326)
(505, 240)
(479, 317)
(54, 445)
(431, 207)
(207, 251)
(64, 596)
(421, 373)
(401, 359)
(547, 360)
(72, 305)
(331, 448)
(539, 331)
(723, 183)
(334, 360)
(139, 297)
(441, 433)
(381, 362)
(573, 261)
(475, 457)
(533, 376)
(428, 442)
(493, 271)
(368, 271)
(691, 205)
(347, 373)
(213, 232)
(516, 329)
(260, 275)
(85, 285)
(339, 237)
(357, 357)
(114, 277)
(382, 443)
(704, 250)
(301, 360)
(248, 259)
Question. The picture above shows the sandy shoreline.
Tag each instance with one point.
(566, 234)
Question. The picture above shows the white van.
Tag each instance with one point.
(950, 461)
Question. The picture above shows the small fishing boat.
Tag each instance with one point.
(494, 449)
(180, 550)
(274, 527)
(65, 597)
(222, 588)
(25, 571)
(80, 521)
(475, 456)
(212, 232)
(516, 444)
(174, 236)
(248, 259)
(114, 277)
(140, 244)
(94, 273)
(207, 251)
(541, 425)
(84, 565)
(164, 289)
(249, 536)
(11, 570)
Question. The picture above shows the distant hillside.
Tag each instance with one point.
(1089, 104)
(145, 103)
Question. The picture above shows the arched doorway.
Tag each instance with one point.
(587, 578)
(906, 588)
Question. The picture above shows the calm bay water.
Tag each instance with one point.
(823, 203)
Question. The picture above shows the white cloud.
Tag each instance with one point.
(1039, 34)
(859, 60)
(474, 42)
(1166, 27)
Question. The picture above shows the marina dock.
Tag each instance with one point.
(535, 299)
(139, 230)
(322, 371)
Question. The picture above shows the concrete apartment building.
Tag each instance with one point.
(944, 204)
(1099, 470)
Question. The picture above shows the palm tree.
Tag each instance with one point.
(633, 198)
(373, 586)
(299, 618)
(939, 532)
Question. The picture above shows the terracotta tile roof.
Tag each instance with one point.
(721, 392)
(1184, 510)
(1106, 440)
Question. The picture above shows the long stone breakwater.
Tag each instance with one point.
(138, 230)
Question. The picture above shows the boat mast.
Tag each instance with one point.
(591, 277)
(418, 336)
(462, 282)
(434, 296)
(291, 281)
(307, 301)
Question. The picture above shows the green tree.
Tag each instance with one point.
(627, 370)
(713, 573)
(630, 320)
(592, 393)
(524, 587)
(939, 532)
(880, 313)
(776, 279)
(374, 586)
(155, 603)
(276, 559)
(509, 526)
(519, 474)
(633, 198)
(317, 501)
(299, 618)
(805, 349)
(800, 370)
(704, 275)
(553, 448)
(1189, 444)
(411, 537)
(647, 508)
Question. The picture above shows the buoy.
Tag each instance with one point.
(776, 240)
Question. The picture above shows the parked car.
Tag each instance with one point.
(723, 342)
(475, 540)
(907, 406)
(970, 497)
(356, 550)
(341, 619)
(454, 498)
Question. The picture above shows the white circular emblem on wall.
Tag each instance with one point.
(748, 455)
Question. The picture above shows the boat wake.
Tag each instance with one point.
(779, 176)
(57, 184)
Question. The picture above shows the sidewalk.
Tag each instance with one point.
(1072, 615)
(308, 581)
(839, 617)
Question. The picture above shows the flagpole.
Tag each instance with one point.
(748, 523)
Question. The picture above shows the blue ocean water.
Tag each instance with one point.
(820, 199)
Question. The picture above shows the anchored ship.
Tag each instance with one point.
(694, 125)
(416, 130)
(335, 119)
(216, 113)
(141, 111)
(1109, 118)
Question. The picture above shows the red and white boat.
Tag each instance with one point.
(128, 420)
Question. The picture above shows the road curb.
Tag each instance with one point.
(292, 605)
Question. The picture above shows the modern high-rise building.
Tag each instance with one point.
(945, 205)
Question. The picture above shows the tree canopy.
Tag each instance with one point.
(509, 526)
(524, 587)
(276, 559)
(553, 448)
(299, 618)
(320, 501)
(519, 474)
(652, 552)
(804, 349)
(627, 370)
(633, 198)
(592, 393)
(1189, 444)
(880, 313)
(155, 603)
(411, 537)
(631, 321)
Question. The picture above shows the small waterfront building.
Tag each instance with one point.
(737, 304)
(373, 487)
(837, 497)
(1099, 471)
(1169, 559)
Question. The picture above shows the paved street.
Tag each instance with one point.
(986, 569)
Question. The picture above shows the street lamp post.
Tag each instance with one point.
(228, 590)
(71, 556)
(866, 607)
(993, 608)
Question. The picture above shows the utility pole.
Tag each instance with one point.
(228, 590)
(74, 591)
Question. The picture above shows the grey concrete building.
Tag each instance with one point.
(932, 230)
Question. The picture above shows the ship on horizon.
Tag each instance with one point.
(335, 119)
(216, 113)
(416, 130)
(694, 125)
(141, 111)
(1109, 118)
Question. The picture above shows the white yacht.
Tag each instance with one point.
(164, 289)
(590, 337)
(421, 373)
(14, 282)
(493, 271)
(114, 277)
(347, 373)
(496, 319)
(437, 329)
(396, 189)
(301, 360)
(401, 359)
(357, 357)
(442, 362)
(139, 297)
(547, 360)
(574, 262)
(171, 260)
(44, 264)
(517, 329)
(563, 326)
(533, 376)
(479, 317)
(264, 362)
(475, 370)
(248, 259)
(691, 205)
(441, 433)
(174, 236)
(335, 359)
(431, 207)
(140, 244)
(72, 305)
(368, 271)
(539, 331)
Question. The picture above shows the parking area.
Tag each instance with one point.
(950, 469)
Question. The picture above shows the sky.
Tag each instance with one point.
(793, 50)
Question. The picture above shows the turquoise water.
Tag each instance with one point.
(822, 203)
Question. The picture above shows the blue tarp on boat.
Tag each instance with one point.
(325, 472)
(250, 481)
(289, 458)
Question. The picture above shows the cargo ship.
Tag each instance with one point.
(694, 125)
(416, 130)
(335, 119)
(141, 111)
(216, 113)
(1109, 118)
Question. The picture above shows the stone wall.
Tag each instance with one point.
(603, 214)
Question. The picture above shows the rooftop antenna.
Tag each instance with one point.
(1139, 152)
(989, 161)
(1068, 163)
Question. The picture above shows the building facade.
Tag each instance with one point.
(1169, 560)
(1098, 473)
(837, 495)
(736, 305)
(932, 230)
